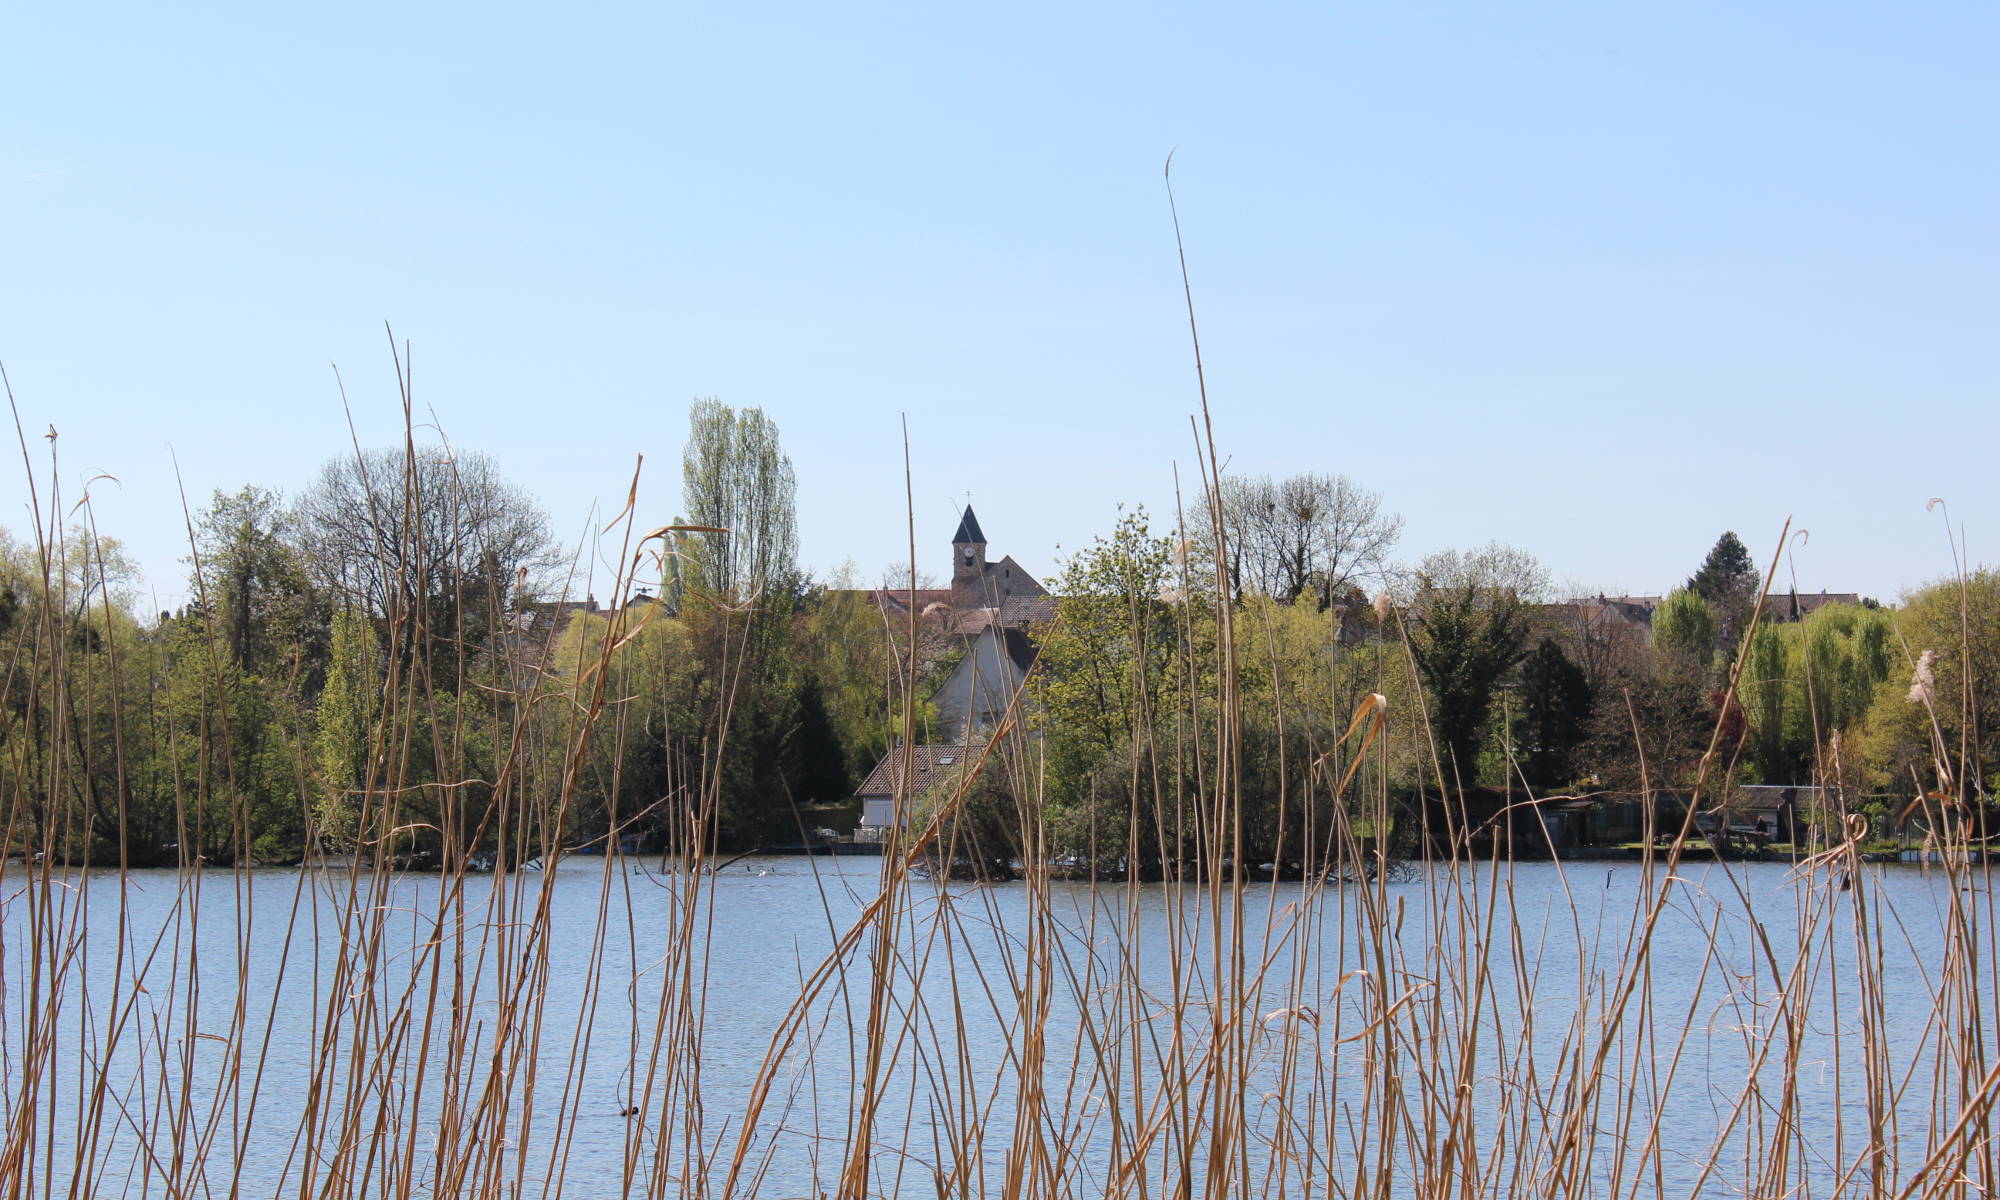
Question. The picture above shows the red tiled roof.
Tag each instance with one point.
(898, 599)
(932, 763)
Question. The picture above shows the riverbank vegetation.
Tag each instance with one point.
(416, 686)
(420, 572)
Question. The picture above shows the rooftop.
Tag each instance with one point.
(932, 764)
(968, 529)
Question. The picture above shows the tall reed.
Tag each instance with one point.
(1475, 1027)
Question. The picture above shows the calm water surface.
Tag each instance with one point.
(772, 920)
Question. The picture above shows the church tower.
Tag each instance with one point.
(968, 562)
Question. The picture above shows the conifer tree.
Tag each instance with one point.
(1727, 573)
(1728, 581)
(1555, 704)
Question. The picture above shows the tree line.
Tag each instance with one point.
(1491, 679)
(391, 661)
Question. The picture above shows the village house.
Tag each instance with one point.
(990, 614)
(1637, 611)
(927, 765)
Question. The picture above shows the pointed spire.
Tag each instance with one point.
(968, 530)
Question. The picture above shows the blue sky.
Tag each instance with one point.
(1597, 280)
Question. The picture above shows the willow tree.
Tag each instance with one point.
(1937, 727)
(1684, 624)
(1807, 680)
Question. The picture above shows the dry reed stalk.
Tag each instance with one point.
(1343, 1035)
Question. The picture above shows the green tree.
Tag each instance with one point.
(79, 706)
(1555, 711)
(1728, 580)
(1112, 672)
(1467, 641)
(243, 659)
(345, 721)
(735, 476)
(1684, 624)
(1935, 723)
(1727, 573)
(815, 755)
(854, 658)
(738, 596)
(255, 583)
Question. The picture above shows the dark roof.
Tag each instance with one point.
(1019, 611)
(999, 582)
(932, 763)
(1007, 569)
(1633, 610)
(968, 530)
(1019, 649)
(1792, 606)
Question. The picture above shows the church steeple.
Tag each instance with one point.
(968, 530)
(968, 559)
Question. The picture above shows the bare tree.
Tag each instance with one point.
(1599, 636)
(438, 535)
(1307, 534)
(1494, 568)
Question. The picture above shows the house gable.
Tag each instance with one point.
(886, 786)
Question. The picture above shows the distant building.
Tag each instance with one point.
(886, 786)
(988, 618)
(1637, 611)
(1791, 606)
(1773, 810)
(980, 690)
(976, 583)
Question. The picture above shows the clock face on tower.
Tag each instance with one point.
(967, 553)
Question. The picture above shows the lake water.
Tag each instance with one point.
(222, 1017)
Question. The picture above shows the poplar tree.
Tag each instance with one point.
(737, 594)
(736, 477)
(345, 722)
